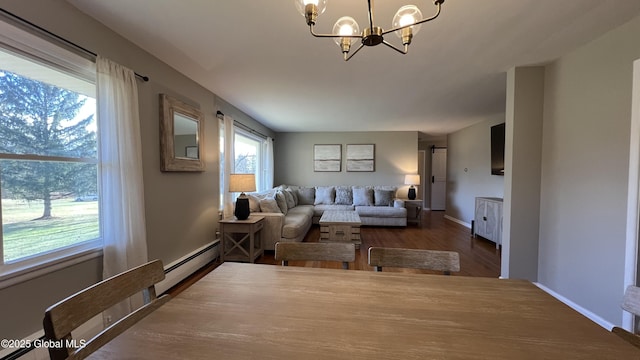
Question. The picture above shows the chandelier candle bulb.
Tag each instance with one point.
(347, 28)
(407, 15)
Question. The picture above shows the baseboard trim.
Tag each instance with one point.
(458, 221)
(180, 269)
(588, 314)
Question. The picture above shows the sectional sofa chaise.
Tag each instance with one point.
(291, 210)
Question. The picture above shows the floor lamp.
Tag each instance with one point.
(241, 183)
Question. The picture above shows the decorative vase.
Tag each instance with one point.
(412, 193)
(242, 208)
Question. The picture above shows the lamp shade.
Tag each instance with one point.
(242, 182)
(412, 179)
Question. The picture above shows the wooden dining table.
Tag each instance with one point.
(251, 311)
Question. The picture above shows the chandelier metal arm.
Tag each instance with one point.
(311, 27)
(401, 51)
(438, 4)
(347, 58)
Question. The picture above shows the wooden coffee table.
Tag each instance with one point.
(340, 226)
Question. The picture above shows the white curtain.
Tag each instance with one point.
(122, 201)
(268, 166)
(229, 160)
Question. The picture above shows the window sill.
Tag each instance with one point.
(28, 271)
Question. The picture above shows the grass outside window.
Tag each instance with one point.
(25, 235)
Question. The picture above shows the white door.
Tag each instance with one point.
(438, 178)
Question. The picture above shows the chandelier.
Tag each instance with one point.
(405, 24)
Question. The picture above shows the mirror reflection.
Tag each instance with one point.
(185, 137)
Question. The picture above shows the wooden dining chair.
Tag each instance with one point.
(630, 303)
(63, 317)
(445, 261)
(345, 252)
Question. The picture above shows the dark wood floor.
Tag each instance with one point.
(478, 257)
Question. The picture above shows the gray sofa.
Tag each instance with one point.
(291, 210)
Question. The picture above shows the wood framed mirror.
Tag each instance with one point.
(181, 136)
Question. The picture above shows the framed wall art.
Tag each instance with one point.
(191, 152)
(327, 157)
(361, 157)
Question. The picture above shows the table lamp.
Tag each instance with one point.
(412, 180)
(241, 183)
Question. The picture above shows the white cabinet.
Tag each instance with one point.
(488, 219)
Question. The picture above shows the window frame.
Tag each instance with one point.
(261, 157)
(43, 52)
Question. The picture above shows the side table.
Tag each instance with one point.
(414, 210)
(241, 238)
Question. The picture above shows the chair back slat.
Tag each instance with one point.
(67, 315)
(630, 303)
(631, 300)
(287, 251)
(445, 261)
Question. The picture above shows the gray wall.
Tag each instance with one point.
(181, 208)
(236, 114)
(396, 155)
(585, 167)
(583, 173)
(470, 149)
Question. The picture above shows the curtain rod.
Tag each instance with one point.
(60, 38)
(220, 115)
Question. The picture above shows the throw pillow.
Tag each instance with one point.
(325, 195)
(254, 203)
(294, 196)
(269, 205)
(282, 202)
(383, 197)
(289, 198)
(344, 196)
(362, 196)
(306, 196)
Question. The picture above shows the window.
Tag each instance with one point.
(247, 151)
(249, 157)
(49, 168)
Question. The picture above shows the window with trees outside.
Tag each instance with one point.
(49, 168)
(249, 157)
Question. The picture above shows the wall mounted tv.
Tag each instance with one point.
(497, 149)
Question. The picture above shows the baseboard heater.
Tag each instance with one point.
(175, 272)
(180, 269)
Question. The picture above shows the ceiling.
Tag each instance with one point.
(259, 56)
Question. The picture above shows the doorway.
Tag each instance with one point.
(438, 178)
